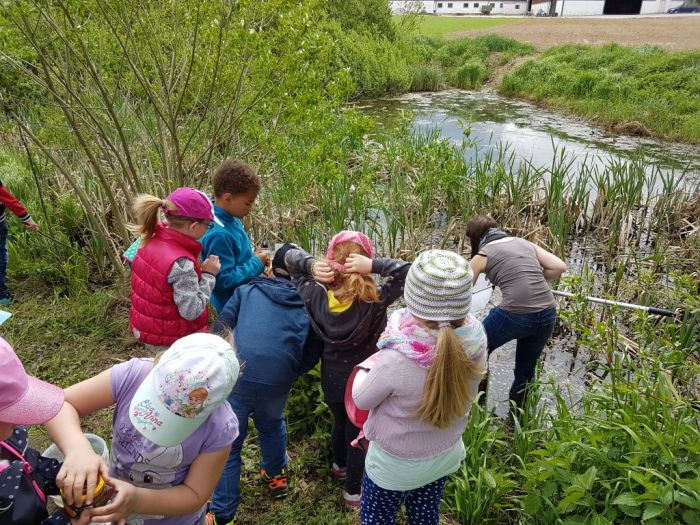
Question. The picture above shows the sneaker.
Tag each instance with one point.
(351, 500)
(5, 301)
(277, 486)
(211, 520)
(339, 473)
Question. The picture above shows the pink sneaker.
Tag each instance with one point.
(339, 473)
(351, 500)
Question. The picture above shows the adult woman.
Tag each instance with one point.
(528, 311)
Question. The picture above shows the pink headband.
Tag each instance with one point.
(358, 238)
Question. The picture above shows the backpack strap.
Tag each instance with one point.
(26, 467)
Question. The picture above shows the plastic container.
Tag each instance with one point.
(99, 445)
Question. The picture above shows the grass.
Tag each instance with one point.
(643, 90)
(444, 25)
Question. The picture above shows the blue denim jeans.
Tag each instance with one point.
(268, 417)
(3, 260)
(532, 332)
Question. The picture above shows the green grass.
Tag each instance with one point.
(643, 90)
(444, 25)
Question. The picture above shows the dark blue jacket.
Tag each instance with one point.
(273, 336)
(238, 262)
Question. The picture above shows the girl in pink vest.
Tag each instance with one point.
(170, 289)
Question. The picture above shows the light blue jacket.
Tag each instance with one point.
(238, 263)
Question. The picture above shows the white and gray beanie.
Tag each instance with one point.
(439, 286)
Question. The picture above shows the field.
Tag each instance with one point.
(446, 25)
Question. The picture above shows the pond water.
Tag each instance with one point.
(533, 133)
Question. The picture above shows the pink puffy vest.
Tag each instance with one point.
(154, 318)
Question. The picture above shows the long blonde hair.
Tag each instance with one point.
(147, 209)
(446, 395)
(351, 287)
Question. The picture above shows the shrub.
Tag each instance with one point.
(471, 75)
(427, 78)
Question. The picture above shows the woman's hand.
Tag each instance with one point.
(123, 503)
(80, 468)
(211, 265)
(356, 263)
(322, 272)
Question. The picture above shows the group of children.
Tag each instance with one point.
(176, 443)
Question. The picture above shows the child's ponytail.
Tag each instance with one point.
(351, 287)
(447, 395)
(147, 209)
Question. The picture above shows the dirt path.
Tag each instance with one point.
(672, 33)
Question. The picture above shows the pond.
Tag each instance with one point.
(532, 133)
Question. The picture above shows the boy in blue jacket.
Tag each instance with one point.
(275, 343)
(236, 186)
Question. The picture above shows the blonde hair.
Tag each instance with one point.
(446, 395)
(147, 209)
(351, 287)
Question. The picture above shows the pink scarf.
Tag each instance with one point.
(403, 333)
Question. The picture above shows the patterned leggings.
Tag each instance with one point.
(379, 506)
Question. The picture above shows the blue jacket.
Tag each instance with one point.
(238, 263)
(273, 336)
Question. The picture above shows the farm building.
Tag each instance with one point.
(522, 7)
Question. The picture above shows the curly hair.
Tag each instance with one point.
(236, 177)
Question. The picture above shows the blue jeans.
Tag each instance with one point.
(268, 417)
(4, 294)
(532, 332)
(379, 506)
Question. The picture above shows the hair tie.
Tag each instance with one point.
(445, 324)
(164, 204)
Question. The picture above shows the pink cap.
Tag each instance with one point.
(192, 203)
(358, 238)
(24, 400)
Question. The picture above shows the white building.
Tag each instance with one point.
(522, 7)
(443, 7)
(606, 7)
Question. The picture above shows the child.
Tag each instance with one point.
(25, 400)
(431, 358)
(169, 446)
(169, 288)
(7, 200)
(276, 345)
(236, 186)
(348, 312)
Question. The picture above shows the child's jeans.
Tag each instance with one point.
(532, 332)
(379, 506)
(344, 454)
(268, 417)
(4, 294)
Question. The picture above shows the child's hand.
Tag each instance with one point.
(123, 503)
(81, 468)
(263, 255)
(356, 263)
(322, 272)
(211, 265)
(31, 225)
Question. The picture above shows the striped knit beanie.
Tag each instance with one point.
(439, 286)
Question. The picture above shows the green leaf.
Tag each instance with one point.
(691, 517)
(532, 504)
(651, 510)
(568, 503)
(635, 512)
(490, 480)
(601, 520)
(626, 498)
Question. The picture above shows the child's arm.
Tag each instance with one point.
(183, 499)
(233, 273)
(11, 203)
(375, 388)
(394, 272)
(228, 318)
(81, 464)
(191, 294)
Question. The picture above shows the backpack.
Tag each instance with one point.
(25, 481)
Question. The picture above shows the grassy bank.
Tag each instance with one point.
(644, 90)
(437, 26)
